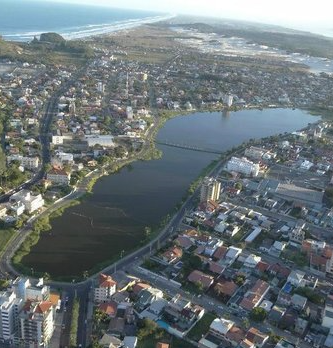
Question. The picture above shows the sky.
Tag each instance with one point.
(298, 14)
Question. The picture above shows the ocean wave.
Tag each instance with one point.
(88, 30)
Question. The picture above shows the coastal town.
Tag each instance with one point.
(246, 262)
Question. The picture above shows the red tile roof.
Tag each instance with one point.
(199, 277)
(106, 281)
(43, 307)
(220, 252)
(225, 287)
(110, 308)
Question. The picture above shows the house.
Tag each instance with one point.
(130, 342)
(146, 298)
(162, 345)
(296, 278)
(298, 302)
(105, 289)
(246, 344)
(257, 337)
(212, 245)
(58, 176)
(184, 242)
(252, 260)
(181, 315)
(196, 277)
(138, 287)
(277, 248)
(220, 327)
(220, 253)
(255, 295)
(109, 308)
(232, 254)
(276, 314)
(235, 335)
(215, 267)
(110, 341)
(225, 289)
(172, 255)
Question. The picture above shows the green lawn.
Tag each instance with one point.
(5, 235)
(202, 327)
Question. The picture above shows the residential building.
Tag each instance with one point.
(30, 289)
(210, 190)
(9, 307)
(257, 337)
(181, 315)
(129, 113)
(26, 162)
(197, 277)
(105, 289)
(220, 327)
(36, 323)
(255, 295)
(172, 255)
(103, 140)
(31, 203)
(243, 166)
(253, 152)
(58, 176)
(328, 313)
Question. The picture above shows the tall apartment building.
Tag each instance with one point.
(28, 289)
(10, 306)
(36, 323)
(210, 190)
(26, 315)
(105, 289)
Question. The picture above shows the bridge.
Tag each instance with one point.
(188, 147)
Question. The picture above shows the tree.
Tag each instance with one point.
(258, 314)
(147, 328)
(199, 286)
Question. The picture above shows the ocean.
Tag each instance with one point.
(21, 20)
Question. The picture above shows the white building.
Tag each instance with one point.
(31, 203)
(252, 260)
(129, 113)
(57, 139)
(105, 289)
(103, 140)
(228, 100)
(243, 166)
(58, 176)
(100, 87)
(26, 162)
(9, 307)
(28, 289)
(220, 327)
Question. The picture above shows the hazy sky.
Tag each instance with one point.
(300, 14)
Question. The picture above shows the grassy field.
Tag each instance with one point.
(5, 235)
(202, 327)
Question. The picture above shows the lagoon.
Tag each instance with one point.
(114, 217)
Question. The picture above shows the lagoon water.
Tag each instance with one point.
(113, 218)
